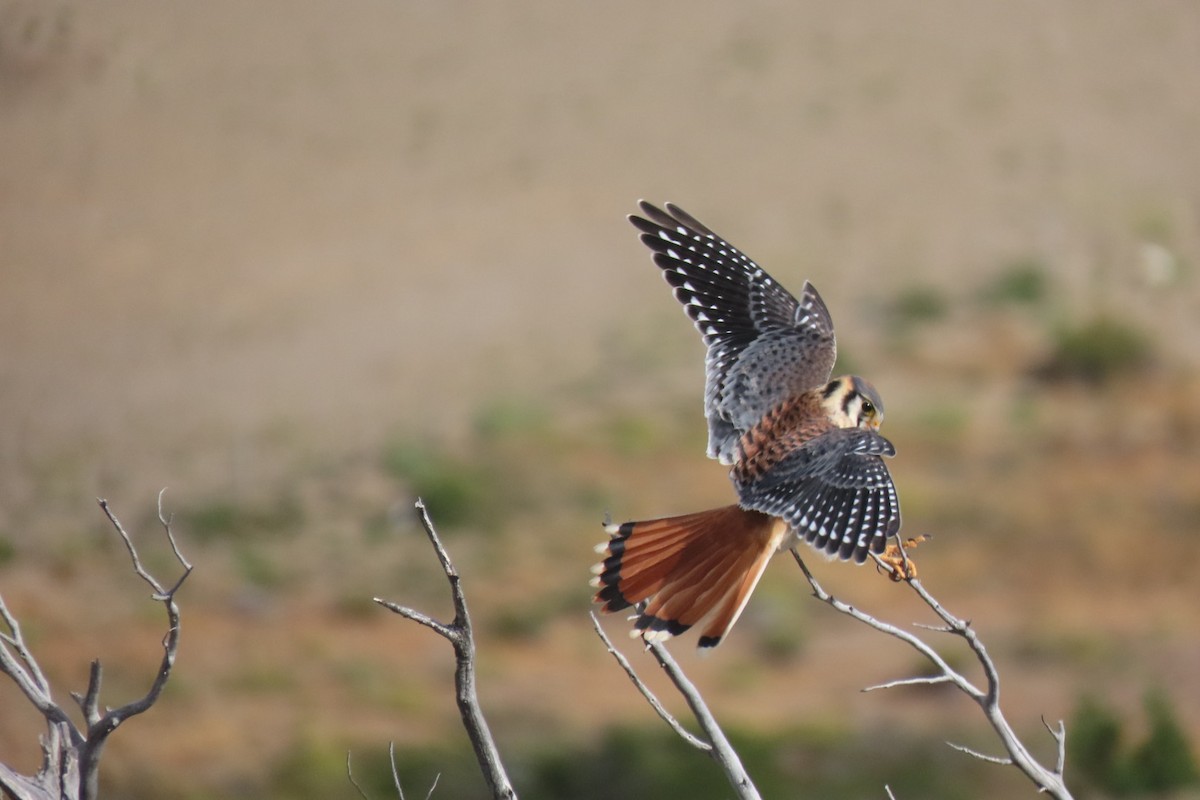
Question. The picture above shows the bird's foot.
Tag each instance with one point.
(895, 562)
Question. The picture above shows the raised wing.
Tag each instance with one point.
(834, 490)
(763, 345)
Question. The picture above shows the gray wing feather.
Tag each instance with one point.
(763, 345)
(834, 491)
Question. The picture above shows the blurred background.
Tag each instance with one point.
(301, 262)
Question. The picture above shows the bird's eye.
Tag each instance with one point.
(868, 407)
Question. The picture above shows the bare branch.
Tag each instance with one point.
(931, 679)
(1060, 736)
(395, 776)
(99, 729)
(445, 631)
(71, 757)
(1048, 781)
(19, 665)
(354, 783)
(717, 746)
(165, 521)
(722, 752)
(658, 707)
(460, 635)
(396, 771)
(89, 703)
(891, 630)
(1001, 760)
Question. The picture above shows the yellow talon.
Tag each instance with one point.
(901, 567)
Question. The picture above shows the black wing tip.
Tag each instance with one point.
(670, 216)
(644, 225)
(653, 215)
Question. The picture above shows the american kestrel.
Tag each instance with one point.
(805, 451)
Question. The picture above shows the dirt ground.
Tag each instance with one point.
(249, 249)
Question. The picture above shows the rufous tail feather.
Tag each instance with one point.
(691, 569)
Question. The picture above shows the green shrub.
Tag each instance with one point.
(918, 304)
(229, 520)
(1095, 740)
(509, 418)
(1097, 351)
(456, 492)
(1021, 282)
(1163, 762)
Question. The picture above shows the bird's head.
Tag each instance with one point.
(851, 402)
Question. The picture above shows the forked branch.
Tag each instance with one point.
(461, 637)
(1049, 781)
(71, 752)
(717, 745)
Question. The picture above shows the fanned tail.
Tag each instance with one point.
(691, 569)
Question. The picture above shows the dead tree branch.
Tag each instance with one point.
(70, 752)
(461, 637)
(717, 746)
(645, 691)
(1049, 781)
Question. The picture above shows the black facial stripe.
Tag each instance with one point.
(850, 397)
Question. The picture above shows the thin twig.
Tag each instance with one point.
(165, 521)
(1060, 736)
(396, 770)
(717, 746)
(461, 637)
(26, 673)
(1003, 761)
(922, 681)
(658, 707)
(354, 783)
(89, 703)
(445, 631)
(722, 751)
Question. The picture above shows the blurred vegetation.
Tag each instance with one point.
(232, 520)
(1163, 761)
(650, 761)
(1097, 351)
(1022, 282)
(917, 305)
(458, 492)
(808, 761)
(484, 481)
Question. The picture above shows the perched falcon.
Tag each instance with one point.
(805, 451)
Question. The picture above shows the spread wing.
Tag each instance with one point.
(763, 345)
(834, 490)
